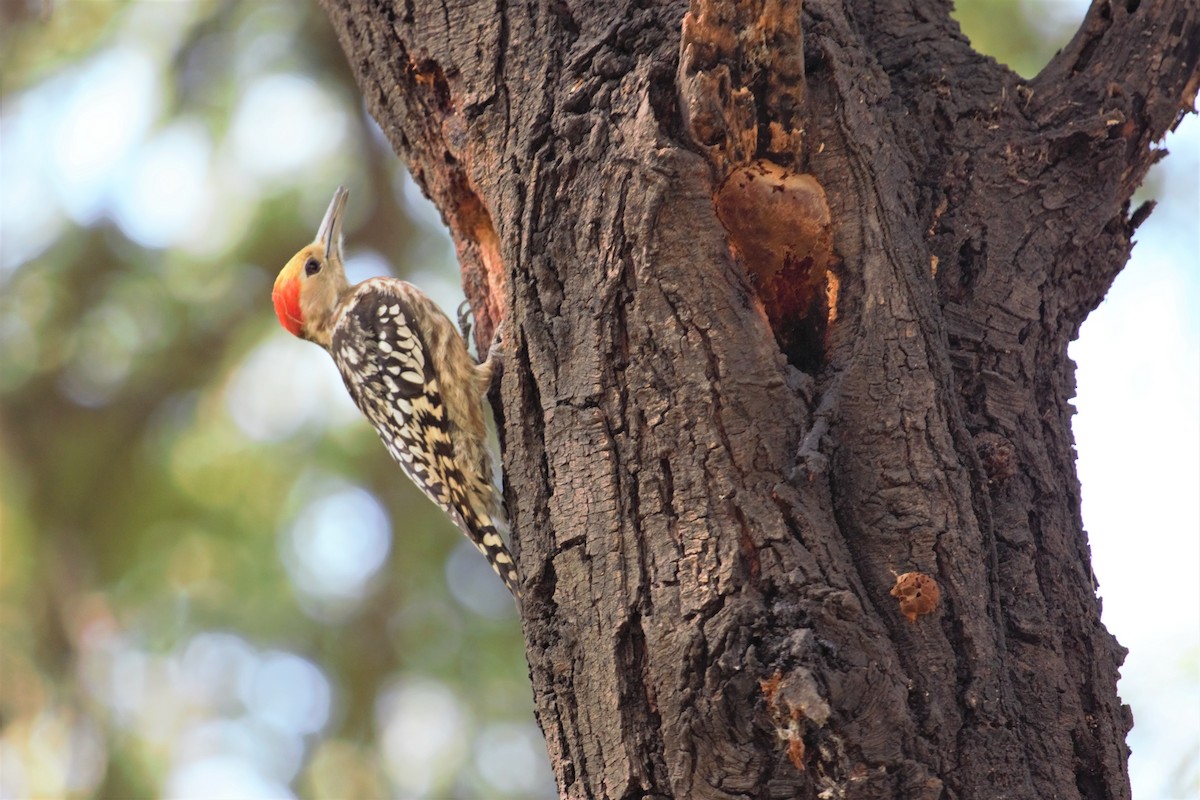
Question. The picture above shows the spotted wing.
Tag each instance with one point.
(383, 354)
(387, 367)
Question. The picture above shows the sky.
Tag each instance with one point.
(1137, 433)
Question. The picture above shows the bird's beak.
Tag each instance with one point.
(330, 232)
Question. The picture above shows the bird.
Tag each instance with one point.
(409, 371)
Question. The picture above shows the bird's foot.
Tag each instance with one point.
(464, 321)
(499, 345)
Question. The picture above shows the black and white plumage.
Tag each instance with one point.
(395, 349)
(408, 370)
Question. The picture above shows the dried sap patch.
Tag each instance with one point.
(918, 594)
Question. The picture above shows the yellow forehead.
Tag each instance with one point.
(295, 265)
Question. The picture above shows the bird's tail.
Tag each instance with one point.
(487, 537)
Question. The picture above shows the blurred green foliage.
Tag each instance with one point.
(1023, 35)
(213, 581)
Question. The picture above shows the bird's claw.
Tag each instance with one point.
(498, 346)
(464, 320)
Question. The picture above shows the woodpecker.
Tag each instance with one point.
(408, 370)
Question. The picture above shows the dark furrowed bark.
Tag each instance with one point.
(708, 535)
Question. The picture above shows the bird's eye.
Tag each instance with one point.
(312, 267)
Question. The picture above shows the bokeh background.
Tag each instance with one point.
(214, 583)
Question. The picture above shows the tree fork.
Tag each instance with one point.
(725, 444)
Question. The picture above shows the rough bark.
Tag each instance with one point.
(714, 484)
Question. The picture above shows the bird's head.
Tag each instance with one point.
(312, 283)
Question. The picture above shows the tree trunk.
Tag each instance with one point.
(789, 297)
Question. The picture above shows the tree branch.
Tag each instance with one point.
(1128, 76)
